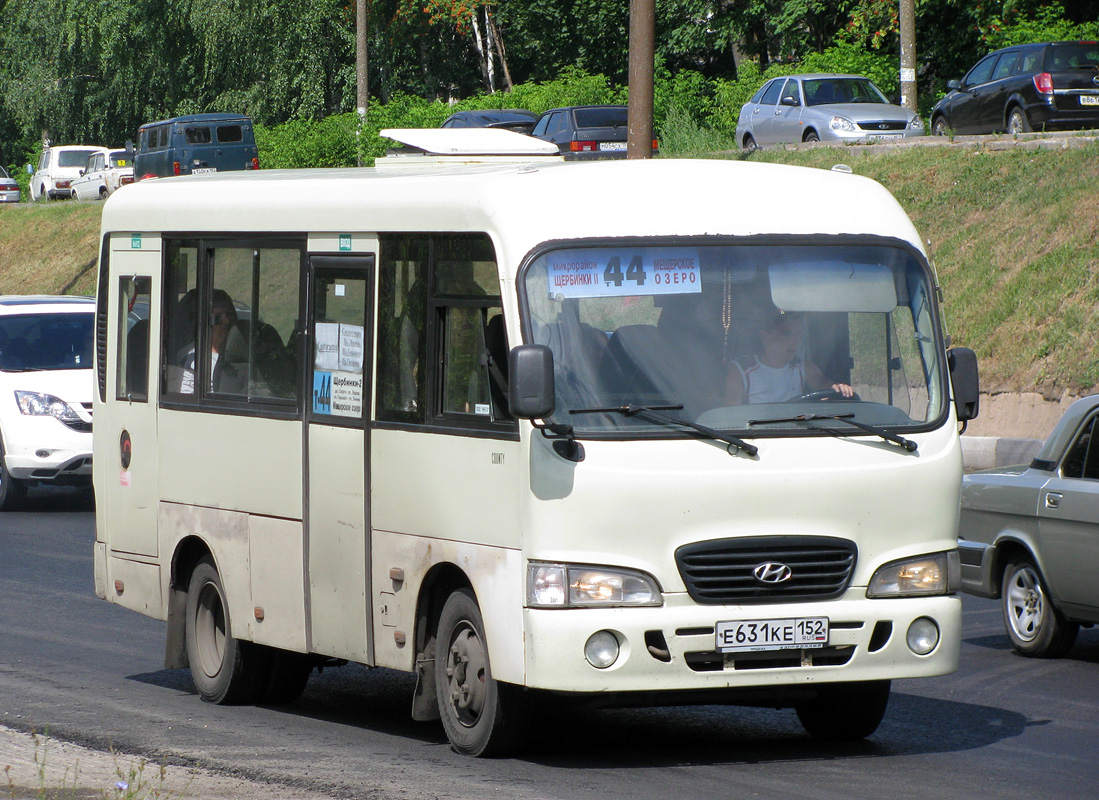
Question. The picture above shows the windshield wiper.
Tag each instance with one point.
(907, 444)
(653, 413)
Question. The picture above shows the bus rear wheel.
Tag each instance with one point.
(479, 715)
(844, 712)
(225, 670)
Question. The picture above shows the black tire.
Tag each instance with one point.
(225, 670)
(750, 143)
(1017, 121)
(810, 136)
(480, 716)
(102, 192)
(938, 126)
(1036, 628)
(289, 673)
(845, 712)
(12, 490)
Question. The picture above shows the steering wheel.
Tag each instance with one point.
(826, 396)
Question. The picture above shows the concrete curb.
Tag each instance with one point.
(986, 452)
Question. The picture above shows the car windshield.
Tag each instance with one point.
(46, 341)
(824, 91)
(120, 158)
(74, 158)
(737, 338)
(610, 117)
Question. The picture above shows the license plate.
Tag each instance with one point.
(203, 170)
(612, 145)
(874, 136)
(1089, 100)
(754, 635)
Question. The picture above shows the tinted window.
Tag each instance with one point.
(600, 117)
(133, 338)
(230, 133)
(1082, 460)
(1072, 56)
(770, 95)
(981, 73)
(46, 341)
(1008, 64)
(199, 135)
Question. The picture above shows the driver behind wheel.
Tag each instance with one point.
(775, 373)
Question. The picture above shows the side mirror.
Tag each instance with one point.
(789, 101)
(955, 85)
(963, 377)
(530, 381)
(130, 148)
(30, 169)
(83, 171)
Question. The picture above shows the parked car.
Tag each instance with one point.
(1046, 86)
(45, 393)
(822, 107)
(586, 132)
(9, 189)
(512, 119)
(58, 167)
(103, 175)
(1029, 535)
(195, 144)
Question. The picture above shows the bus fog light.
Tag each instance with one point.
(923, 636)
(601, 650)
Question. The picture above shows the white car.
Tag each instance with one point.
(103, 175)
(45, 393)
(58, 167)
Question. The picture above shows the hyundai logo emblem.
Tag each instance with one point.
(772, 572)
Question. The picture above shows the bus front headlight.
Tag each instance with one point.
(938, 573)
(577, 586)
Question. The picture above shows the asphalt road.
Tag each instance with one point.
(1002, 727)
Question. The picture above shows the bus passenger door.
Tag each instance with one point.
(337, 392)
(125, 455)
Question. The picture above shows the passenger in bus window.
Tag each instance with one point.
(776, 373)
(223, 375)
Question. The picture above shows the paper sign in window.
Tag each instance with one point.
(352, 344)
(328, 346)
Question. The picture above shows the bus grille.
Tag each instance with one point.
(751, 569)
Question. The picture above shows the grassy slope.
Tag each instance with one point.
(1014, 235)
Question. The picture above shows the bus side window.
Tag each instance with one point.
(180, 315)
(402, 328)
(133, 338)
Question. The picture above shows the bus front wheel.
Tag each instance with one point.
(224, 669)
(844, 712)
(479, 715)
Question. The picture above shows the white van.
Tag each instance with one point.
(486, 421)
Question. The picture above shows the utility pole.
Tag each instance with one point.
(908, 54)
(362, 95)
(639, 141)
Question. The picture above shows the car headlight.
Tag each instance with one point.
(37, 404)
(916, 123)
(576, 586)
(841, 124)
(938, 573)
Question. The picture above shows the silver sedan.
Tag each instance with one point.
(822, 107)
(1029, 535)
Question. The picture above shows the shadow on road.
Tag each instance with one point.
(381, 699)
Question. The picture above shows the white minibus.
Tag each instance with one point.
(631, 432)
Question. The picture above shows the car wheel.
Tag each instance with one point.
(1036, 628)
(102, 192)
(43, 195)
(1017, 121)
(844, 712)
(225, 670)
(810, 136)
(750, 143)
(479, 715)
(12, 490)
(938, 126)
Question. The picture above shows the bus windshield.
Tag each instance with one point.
(737, 337)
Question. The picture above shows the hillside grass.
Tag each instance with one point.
(1014, 235)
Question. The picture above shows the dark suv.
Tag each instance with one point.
(195, 144)
(1047, 86)
(586, 132)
